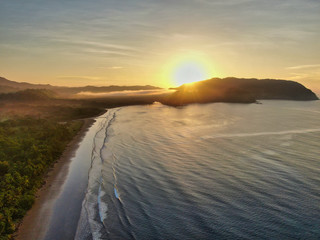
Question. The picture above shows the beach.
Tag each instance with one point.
(35, 224)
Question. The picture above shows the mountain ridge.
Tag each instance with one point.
(231, 89)
(7, 86)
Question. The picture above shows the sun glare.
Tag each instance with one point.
(189, 72)
(187, 69)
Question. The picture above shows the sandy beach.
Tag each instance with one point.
(36, 222)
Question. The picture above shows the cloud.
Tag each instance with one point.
(302, 67)
(116, 67)
(308, 75)
(96, 48)
(224, 3)
(111, 67)
(97, 44)
(125, 93)
(108, 52)
(80, 77)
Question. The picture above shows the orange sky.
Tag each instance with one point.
(143, 42)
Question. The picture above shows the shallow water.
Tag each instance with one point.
(213, 171)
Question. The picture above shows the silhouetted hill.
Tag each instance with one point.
(236, 90)
(29, 95)
(239, 90)
(16, 86)
(12, 86)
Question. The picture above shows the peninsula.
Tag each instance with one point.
(239, 90)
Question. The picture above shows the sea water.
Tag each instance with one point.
(211, 171)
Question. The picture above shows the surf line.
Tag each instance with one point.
(116, 193)
(108, 125)
(96, 160)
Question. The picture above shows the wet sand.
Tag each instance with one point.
(37, 221)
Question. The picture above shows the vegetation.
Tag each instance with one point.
(29, 95)
(238, 90)
(28, 148)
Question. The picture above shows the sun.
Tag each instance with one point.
(187, 68)
(188, 72)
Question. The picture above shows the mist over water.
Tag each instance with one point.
(213, 171)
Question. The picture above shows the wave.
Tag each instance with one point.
(229, 135)
(103, 207)
(115, 182)
(94, 209)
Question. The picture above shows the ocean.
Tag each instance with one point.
(210, 171)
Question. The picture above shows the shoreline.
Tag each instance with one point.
(35, 223)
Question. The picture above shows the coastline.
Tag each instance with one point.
(35, 223)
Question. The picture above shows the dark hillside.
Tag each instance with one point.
(240, 90)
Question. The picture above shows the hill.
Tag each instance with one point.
(29, 95)
(16, 86)
(233, 90)
(238, 90)
(12, 86)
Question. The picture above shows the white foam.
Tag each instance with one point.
(116, 193)
(103, 207)
(270, 152)
(299, 131)
(95, 193)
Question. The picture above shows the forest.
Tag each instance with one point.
(28, 149)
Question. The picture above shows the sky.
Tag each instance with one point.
(140, 42)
